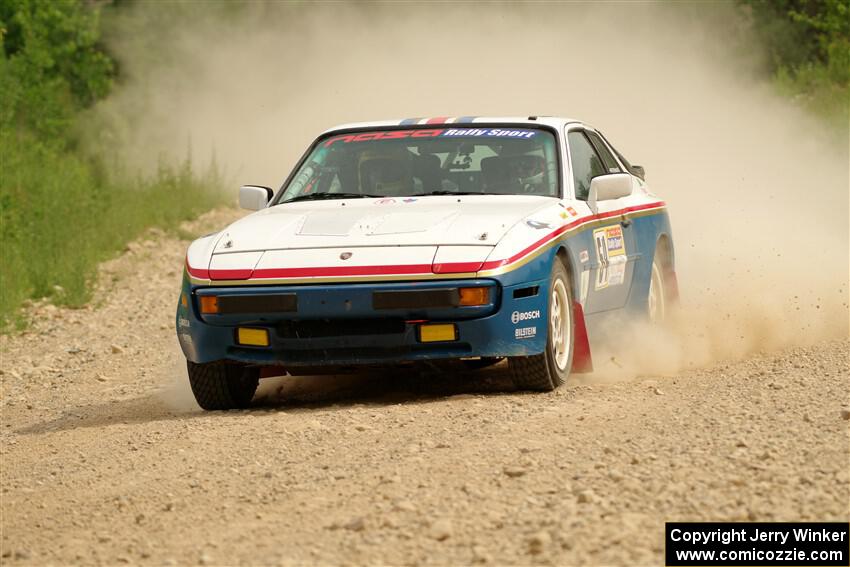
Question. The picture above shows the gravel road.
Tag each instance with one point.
(106, 459)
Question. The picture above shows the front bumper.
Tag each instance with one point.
(343, 325)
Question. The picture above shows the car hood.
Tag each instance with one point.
(477, 220)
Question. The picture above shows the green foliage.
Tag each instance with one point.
(63, 212)
(808, 45)
(59, 218)
(52, 64)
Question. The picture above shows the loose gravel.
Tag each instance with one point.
(106, 460)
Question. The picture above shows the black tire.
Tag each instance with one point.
(222, 385)
(541, 372)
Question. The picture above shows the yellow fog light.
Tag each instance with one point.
(437, 333)
(474, 295)
(252, 337)
(209, 304)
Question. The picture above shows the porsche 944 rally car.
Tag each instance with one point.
(427, 240)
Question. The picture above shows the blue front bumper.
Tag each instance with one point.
(338, 325)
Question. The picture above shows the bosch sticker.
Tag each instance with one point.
(518, 316)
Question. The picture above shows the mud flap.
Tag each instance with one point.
(582, 361)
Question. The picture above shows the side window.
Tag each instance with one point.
(586, 163)
(607, 159)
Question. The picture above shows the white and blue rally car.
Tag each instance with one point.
(426, 240)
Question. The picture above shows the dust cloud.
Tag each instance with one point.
(757, 191)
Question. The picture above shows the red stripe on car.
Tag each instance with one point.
(408, 269)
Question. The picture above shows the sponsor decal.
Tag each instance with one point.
(183, 322)
(537, 224)
(518, 316)
(611, 253)
(391, 135)
(563, 214)
(432, 133)
(583, 256)
(525, 332)
(572, 212)
(490, 132)
(186, 338)
(385, 201)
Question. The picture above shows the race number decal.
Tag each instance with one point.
(611, 254)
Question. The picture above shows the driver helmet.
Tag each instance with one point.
(385, 172)
(529, 170)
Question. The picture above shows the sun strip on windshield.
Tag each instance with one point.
(513, 133)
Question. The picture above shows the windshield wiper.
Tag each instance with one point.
(320, 196)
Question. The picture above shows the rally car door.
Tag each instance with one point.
(611, 239)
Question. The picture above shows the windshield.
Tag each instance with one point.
(417, 162)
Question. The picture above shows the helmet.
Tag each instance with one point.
(528, 169)
(385, 172)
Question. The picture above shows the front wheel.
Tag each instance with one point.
(546, 371)
(222, 385)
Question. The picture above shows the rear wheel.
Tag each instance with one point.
(548, 370)
(222, 385)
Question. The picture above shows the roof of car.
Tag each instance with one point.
(553, 121)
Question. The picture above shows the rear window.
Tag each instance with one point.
(417, 162)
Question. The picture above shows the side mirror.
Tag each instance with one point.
(611, 186)
(608, 187)
(254, 197)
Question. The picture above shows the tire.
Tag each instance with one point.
(656, 302)
(222, 386)
(546, 371)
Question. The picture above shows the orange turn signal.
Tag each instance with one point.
(209, 304)
(474, 295)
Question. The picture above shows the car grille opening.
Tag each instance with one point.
(412, 299)
(339, 328)
(268, 303)
(526, 292)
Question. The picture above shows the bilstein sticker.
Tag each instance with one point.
(525, 332)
